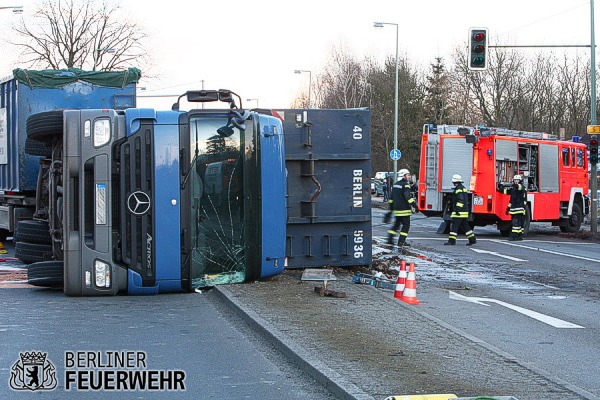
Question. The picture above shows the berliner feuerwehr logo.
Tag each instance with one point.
(33, 371)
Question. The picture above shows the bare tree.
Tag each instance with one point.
(79, 34)
(343, 83)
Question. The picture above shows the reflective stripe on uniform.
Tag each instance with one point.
(462, 214)
(402, 213)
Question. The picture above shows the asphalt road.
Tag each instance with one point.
(194, 333)
(498, 318)
(536, 300)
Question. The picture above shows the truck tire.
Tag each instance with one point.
(36, 148)
(574, 221)
(33, 252)
(46, 274)
(45, 125)
(33, 232)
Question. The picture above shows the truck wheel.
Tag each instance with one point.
(46, 274)
(33, 231)
(504, 232)
(45, 125)
(575, 220)
(37, 148)
(33, 252)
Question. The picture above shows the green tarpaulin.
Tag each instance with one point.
(52, 78)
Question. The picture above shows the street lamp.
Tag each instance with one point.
(380, 25)
(299, 71)
(15, 9)
(256, 100)
(100, 52)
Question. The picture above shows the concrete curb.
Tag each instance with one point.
(329, 378)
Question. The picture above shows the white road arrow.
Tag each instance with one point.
(498, 254)
(555, 322)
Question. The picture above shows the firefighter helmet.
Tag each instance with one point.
(403, 172)
(456, 178)
(518, 177)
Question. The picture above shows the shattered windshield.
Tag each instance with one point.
(217, 249)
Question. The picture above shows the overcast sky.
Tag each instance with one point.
(253, 47)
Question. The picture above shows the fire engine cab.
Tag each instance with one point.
(555, 174)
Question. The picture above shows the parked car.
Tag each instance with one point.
(376, 187)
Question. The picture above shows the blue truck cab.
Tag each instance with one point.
(168, 201)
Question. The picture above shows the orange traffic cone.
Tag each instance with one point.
(410, 290)
(400, 283)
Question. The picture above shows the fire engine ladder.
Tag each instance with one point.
(431, 167)
(523, 134)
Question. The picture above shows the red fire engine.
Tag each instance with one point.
(555, 174)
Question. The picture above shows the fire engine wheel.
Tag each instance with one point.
(526, 221)
(45, 125)
(575, 219)
(46, 274)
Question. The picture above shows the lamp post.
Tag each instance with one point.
(380, 25)
(299, 71)
(15, 9)
(99, 53)
(256, 100)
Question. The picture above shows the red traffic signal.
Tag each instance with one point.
(593, 149)
(478, 43)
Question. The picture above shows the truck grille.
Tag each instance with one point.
(136, 204)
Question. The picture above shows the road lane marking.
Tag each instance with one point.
(493, 253)
(547, 251)
(555, 322)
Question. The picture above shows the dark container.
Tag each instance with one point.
(328, 161)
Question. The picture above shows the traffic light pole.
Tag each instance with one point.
(593, 148)
(593, 169)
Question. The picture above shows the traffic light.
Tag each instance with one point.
(478, 48)
(593, 149)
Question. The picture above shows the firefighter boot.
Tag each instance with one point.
(390, 239)
(402, 243)
(450, 242)
(512, 237)
(472, 241)
(519, 237)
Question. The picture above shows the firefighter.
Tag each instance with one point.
(460, 213)
(516, 206)
(402, 205)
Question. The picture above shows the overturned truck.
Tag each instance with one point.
(143, 201)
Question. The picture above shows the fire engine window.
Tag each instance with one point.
(580, 157)
(565, 157)
(572, 156)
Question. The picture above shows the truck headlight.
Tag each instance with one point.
(102, 274)
(101, 132)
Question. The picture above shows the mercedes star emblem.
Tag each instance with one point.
(138, 203)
